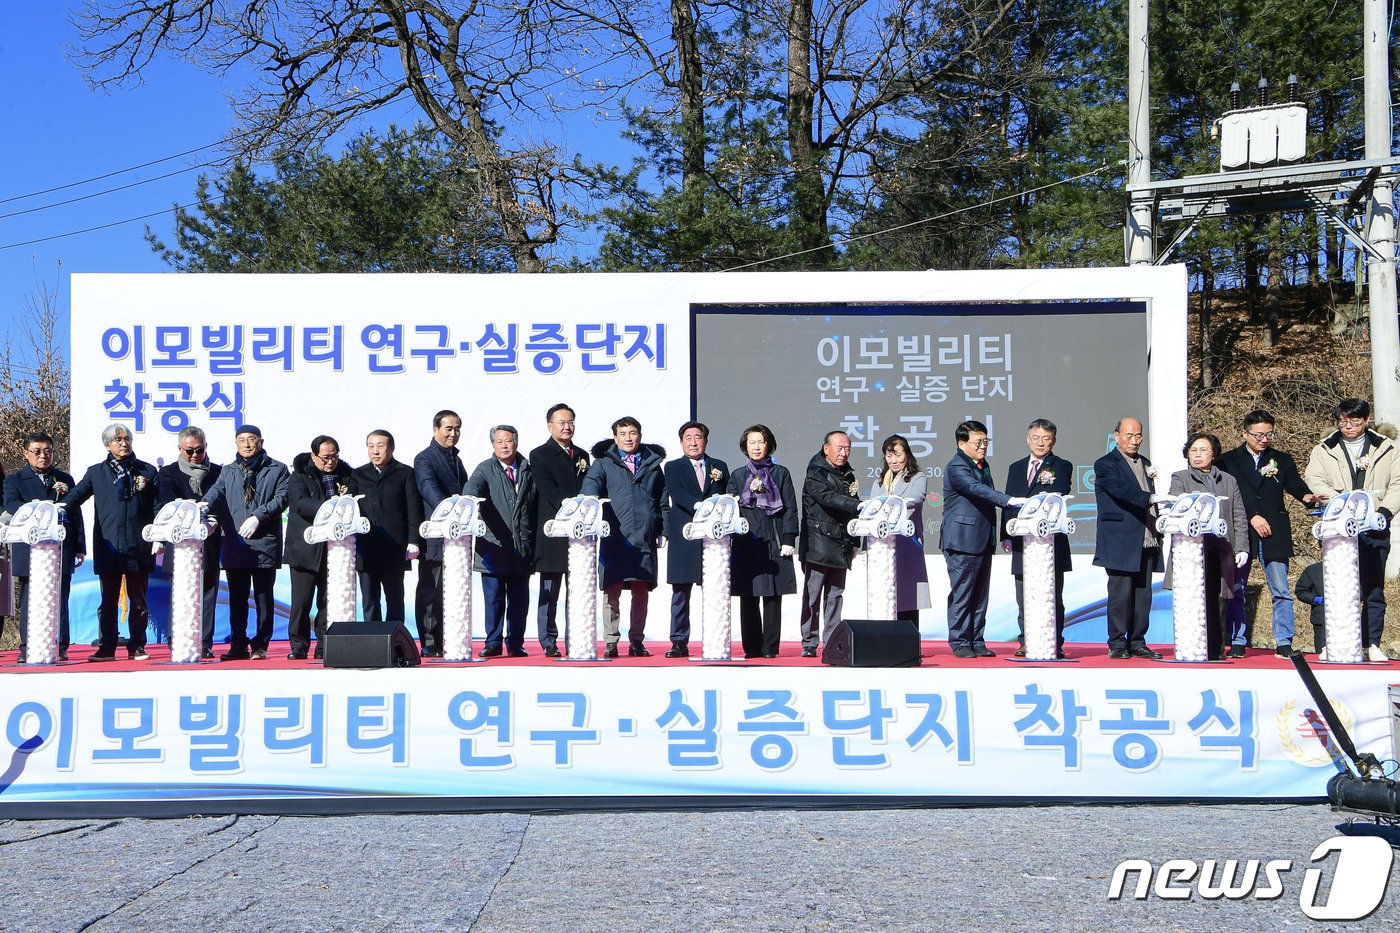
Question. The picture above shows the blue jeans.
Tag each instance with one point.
(1276, 576)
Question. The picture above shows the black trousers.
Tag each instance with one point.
(1216, 636)
(137, 616)
(261, 581)
(1130, 603)
(308, 588)
(761, 638)
(385, 585)
(23, 604)
(211, 602)
(680, 613)
(1372, 553)
(546, 626)
(427, 605)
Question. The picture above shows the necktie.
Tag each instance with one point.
(631, 463)
(510, 473)
(1030, 474)
(699, 472)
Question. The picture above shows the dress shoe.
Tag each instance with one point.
(296, 655)
(1061, 656)
(551, 652)
(1376, 654)
(678, 651)
(1119, 654)
(432, 652)
(319, 654)
(21, 660)
(517, 653)
(962, 651)
(1236, 651)
(982, 651)
(137, 654)
(610, 651)
(207, 654)
(1146, 652)
(1020, 652)
(809, 652)
(638, 651)
(1322, 655)
(102, 656)
(490, 651)
(1286, 651)
(767, 655)
(235, 655)
(260, 654)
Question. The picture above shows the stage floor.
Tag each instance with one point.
(934, 654)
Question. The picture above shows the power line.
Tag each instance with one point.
(98, 194)
(115, 223)
(924, 220)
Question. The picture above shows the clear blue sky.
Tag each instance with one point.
(61, 131)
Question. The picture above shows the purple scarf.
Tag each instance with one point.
(769, 499)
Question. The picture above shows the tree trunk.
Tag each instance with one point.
(690, 76)
(1273, 287)
(808, 202)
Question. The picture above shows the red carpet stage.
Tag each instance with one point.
(151, 738)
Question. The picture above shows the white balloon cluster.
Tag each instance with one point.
(1038, 597)
(338, 523)
(457, 523)
(881, 520)
(1189, 597)
(39, 525)
(1341, 599)
(716, 623)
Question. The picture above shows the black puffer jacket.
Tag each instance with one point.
(633, 511)
(830, 498)
(304, 496)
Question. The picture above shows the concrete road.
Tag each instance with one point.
(967, 869)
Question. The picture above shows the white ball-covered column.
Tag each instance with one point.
(716, 620)
(1038, 597)
(882, 585)
(581, 627)
(1341, 599)
(342, 581)
(1189, 597)
(45, 601)
(186, 600)
(457, 598)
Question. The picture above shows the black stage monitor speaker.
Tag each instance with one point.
(873, 643)
(370, 644)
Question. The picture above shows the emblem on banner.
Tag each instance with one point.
(1304, 735)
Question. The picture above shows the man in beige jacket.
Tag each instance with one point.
(1355, 457)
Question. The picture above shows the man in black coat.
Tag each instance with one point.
(1310, 590)
(504, 554)
(190, 477)
(395, 511)
(1042, 471)
(1264, 475)
(316, 477)
(124, 490)
(830, 498)
(439, 473)
(38, 479)
(690, 480)
(558, 467)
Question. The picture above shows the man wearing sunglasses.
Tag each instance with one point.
(190, 477)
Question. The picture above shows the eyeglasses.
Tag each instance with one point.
(327, 458)
(979, 444)
(1345, 420)
(193, 451)
(564, 424)
(1261, 435)
(41, 452)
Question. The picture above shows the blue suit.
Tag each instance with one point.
(1125, 514)
(970, 504)
(25, 485)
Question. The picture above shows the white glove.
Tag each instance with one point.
(1241, 558)
(250, 525)
(411, 553)
(1160, 499)
(78, 560)
(786, 550)
(157, 547)
(1016, 502)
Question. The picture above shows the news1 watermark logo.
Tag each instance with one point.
(1360, 873)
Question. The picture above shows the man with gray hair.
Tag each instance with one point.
(124, 490)
(190, 476)
(505, 552)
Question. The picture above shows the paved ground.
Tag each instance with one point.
(1002, 869)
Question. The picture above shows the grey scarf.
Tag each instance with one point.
(197, 474)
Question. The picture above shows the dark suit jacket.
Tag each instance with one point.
(970, 505)
(439, 473)
(1016, 486)
(116, 528)
(305, 495)
(172, 483)
(683, 558)
(24, 485)
(1123, 514)
(1265, 497)
(557, 477)
(395, 511)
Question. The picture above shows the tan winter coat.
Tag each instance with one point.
(1328, 472)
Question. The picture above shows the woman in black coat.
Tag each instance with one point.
(761, 569)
